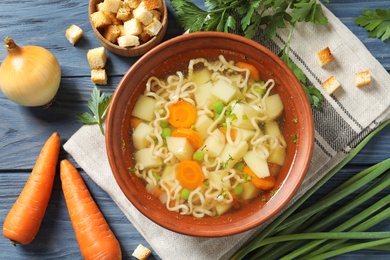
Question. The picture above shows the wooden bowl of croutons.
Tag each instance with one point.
(128, 27)
(209, 134)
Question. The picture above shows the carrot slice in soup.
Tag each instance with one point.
(265, 183)
(134, 122)
(253, 71)
(232, 133)
(189, 174)
(158, 192)
(192, 136)
(182, 114)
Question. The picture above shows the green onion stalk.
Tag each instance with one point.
(295, 227)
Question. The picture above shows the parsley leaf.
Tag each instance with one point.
(191, 17)
(375, 22)
(308, 11)
(99, 105)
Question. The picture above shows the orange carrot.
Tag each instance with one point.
(189, 174)
(94, 236)
(182, 114)
(193, 137)
(134, 122)
(253, 71)
(25, 217)
(172, 203)
(157, 192)
(232, 134)
(265, 183)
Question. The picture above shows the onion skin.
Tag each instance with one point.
(29, 75)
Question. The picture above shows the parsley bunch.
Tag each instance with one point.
(270, 15)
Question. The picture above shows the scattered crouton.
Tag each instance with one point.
(97, 58)
(363, 78)
(73, 34)
(331, 85)
(141, 252)
(99, 76)
(325, 56)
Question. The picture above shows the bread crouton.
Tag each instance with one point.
(152, 4)
(121, 28)
(142, 14)
(97, 58)
(132, 27)
(141, 252)
(113, 18)
(325, 56)
(128, 41)
(363, 78)
(73, 34)
(112, 6)
(124, 13)
(99, 19)
(111, 33)
(144, 37)
(100, 6)
(153, 28)
(331, 84)
(99, 76)
(132, 3)
(156, 14)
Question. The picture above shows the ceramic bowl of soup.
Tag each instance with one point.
(209, 134)
(129, 29)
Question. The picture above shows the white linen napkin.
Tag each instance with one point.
(348, 115)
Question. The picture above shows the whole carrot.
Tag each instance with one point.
(94, 236)
(24, 219)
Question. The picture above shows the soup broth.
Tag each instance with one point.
(207, 140)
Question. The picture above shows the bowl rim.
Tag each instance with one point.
(307, 142)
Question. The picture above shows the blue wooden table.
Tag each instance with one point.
(23, 130)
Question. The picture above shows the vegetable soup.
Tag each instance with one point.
(208, 140)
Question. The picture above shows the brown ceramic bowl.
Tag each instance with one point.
(130, 51)
(167, 57)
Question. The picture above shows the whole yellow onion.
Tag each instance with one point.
(29, 75)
